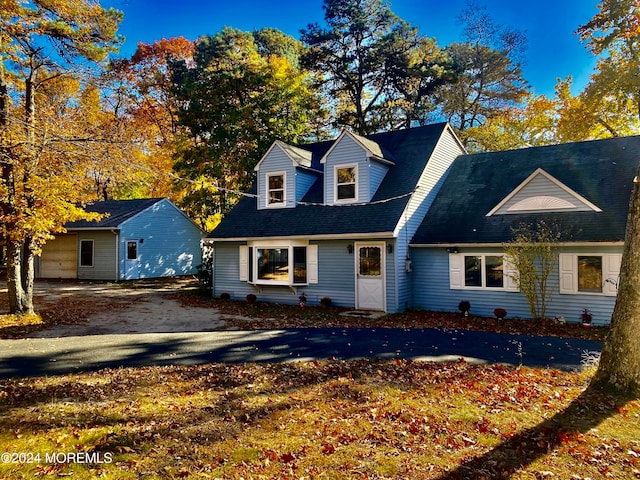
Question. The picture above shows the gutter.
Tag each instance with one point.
(502, 244)
(328, 236)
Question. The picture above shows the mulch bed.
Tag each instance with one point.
(267, 316)
(74, 310)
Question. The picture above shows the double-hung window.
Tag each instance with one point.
(288, 263)
(346, 183)
(483, 271)
(585, 273)
(276, 189)
(480, 271)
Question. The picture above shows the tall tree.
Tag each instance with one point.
(235, 100)
(616, 29)
(530, 125)
(353, 55)
(491, 77)
(40, 43)
(418, 68)
(140, 98)
(619, 366)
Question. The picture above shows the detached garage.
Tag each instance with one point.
(146, 238)
(59, 257)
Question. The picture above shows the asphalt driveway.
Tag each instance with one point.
(54, 356)
(142, 326)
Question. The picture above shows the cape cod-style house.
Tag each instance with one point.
(407, 219)
(334, 219)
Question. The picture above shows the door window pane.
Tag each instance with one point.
(590, 273)
(132, 250)
(370, 261)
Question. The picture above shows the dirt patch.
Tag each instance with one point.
(78, 308)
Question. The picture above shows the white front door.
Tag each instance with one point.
(370, 276)
(132, 267)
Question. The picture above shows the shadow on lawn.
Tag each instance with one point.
(586, 412)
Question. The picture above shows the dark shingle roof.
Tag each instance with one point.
(601, 171)
(119, 211)
(410, 149)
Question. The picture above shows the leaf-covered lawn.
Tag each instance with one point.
(334, 419)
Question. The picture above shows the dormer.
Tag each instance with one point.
(354, 167)
(284, 176)
(541, 192)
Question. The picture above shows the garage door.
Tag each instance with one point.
(59, 258)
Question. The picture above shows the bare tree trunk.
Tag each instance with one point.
(620, 361)
(20, 252)
(24, 269)
(17, 298)
(27, 275)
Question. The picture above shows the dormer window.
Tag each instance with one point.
(275, 189)
(346, 178)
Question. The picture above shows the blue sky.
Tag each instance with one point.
(553, 48)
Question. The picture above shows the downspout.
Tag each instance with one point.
(117, 234)
(213, 269)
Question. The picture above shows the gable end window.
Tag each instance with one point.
(285, 264)
(346, 177)
(481, 271)
(276, 189)
(86, 253)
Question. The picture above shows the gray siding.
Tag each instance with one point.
(346, 152)
(171, 242)
(542, 186)
(303, 180)
(104, 256)
(336, 276)
(446, 151)
(432, 292)
(391, 279)
(226, 271)
(277, 161)
(377, 172)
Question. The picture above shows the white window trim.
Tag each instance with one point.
(568, 273)
(93, 253)
(267, 202)
(457, 277)
(244, 259)
(335, 183)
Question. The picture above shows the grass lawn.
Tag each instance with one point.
(364, 419)
(361, 419)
